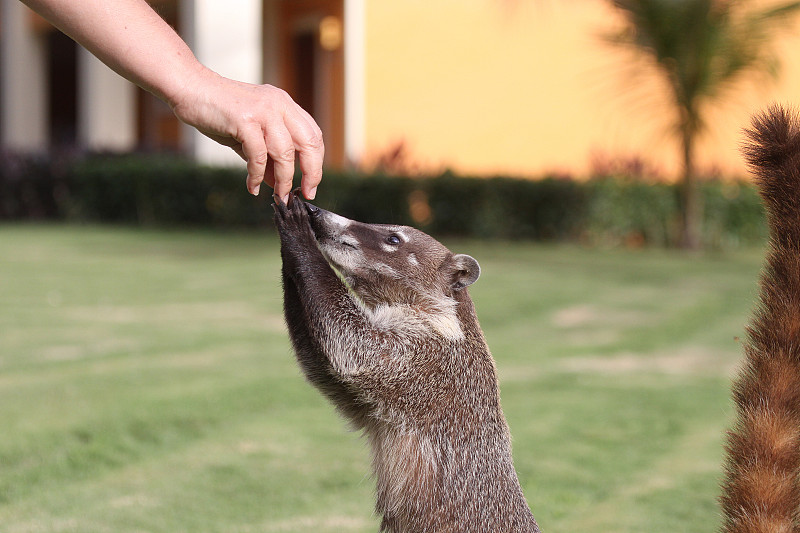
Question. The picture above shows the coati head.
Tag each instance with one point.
(389, 265)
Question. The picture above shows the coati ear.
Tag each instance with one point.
(465, 271)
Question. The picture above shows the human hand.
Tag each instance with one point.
(261, 123)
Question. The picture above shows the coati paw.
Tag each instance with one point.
(292, 214)
(291, 219)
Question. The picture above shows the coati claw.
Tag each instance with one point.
(292, 221)
(278, 202)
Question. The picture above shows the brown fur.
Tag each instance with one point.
(398, 350)
(761, 493)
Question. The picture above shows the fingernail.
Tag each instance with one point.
(312, 193)
(285, 199)
(256, 190)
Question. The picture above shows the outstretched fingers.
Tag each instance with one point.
(280, 147)
(254, 152)
(297, 136)
(310, 149)
(262, 124)
(271, 156)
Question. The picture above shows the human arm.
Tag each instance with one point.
(259, 122)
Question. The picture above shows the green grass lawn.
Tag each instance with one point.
(147, 385)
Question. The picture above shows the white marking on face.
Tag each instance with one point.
(388, 248)
(338, 220)
(412, 259)
(349, 240)
(347, 260)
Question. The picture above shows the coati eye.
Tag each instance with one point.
(393, 239)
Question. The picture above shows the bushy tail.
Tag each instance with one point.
(761, 492)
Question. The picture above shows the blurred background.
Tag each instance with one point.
(644, 91)
(576, 148)
(479, 87)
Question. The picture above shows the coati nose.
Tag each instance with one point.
(313, 210)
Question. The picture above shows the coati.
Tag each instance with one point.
(395, 344)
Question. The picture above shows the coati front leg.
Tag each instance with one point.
(310, 356)
(317, 306)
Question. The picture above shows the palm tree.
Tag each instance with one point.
(700, 49)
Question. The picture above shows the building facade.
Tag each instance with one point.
(478, 86)
(56, 96)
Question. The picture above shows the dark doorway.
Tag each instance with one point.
(311, 63)
(304, 45)
(157, 127)
(62, 84)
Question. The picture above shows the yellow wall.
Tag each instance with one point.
(527, 86)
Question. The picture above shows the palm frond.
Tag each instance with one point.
(702, 47)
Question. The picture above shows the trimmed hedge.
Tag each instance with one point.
(161, 191)
(30, 188)
(169, 191)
